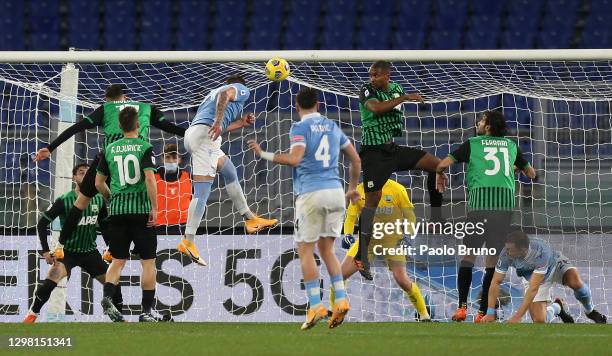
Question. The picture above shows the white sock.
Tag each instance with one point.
(234, 190)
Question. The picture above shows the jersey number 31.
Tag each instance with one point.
(492, 156)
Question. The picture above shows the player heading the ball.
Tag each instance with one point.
(220, 112)
(316, 142)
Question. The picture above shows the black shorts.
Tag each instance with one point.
(497, 226)
(380, 161)
(125, 229)
(90, 262)
(88, 185)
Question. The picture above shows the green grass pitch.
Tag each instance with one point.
(229, 339)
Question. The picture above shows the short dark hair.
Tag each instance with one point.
(307, 98)
(171, 149)
(519, 239)
(114, 92)
(384, 65)
(235, 78)
(77, 167)
(496, 122)
(128, 117)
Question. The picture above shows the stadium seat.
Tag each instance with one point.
(84, 40)
(303, 23)
(522, 23)
(449, 22)
(84, 8)
(553, 39)
(487, 7)
(596, 39)
(527, 7)
(263, 40)
(561, 7)
(269, 8)
(383, 8)
(155, 40)
(227, 39)
(294, 40)
(234, 8)
(156, 9)
(45, 41)
(412, 23)
(408, 40)
(197, 8)
(191, 40)
(336, 40)
(12, 41)
(480, 40)
(305, 8)
(445, 40)
(517, 40)
(559, 22)
(340, 22)
(414, 8)
(119, 41)
(371, 39)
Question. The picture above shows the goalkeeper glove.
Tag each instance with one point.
(347, 241)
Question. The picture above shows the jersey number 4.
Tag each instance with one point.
(322, 152)
(491, 155)
(123, 166)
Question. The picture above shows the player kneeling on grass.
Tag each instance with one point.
(132, 209)
(395, 205)
(316, 142)
(80, 248)
(537, 262)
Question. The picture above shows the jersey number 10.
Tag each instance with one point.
(491, 155)
(123, 166)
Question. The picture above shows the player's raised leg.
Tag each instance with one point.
(252, 222)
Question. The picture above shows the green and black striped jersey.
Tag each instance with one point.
(125, 161)
(107, 116)
(379, 129)
(83, 239)
(490, 172)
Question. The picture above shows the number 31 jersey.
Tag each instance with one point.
(125, 161)
(490, 172)
(322, 140)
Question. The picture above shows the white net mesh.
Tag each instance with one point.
(557, 111)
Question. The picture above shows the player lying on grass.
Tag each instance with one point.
(219, 112)
(79, 251)
(105, 116)
(316, 143)
(538, 263)
(490, 157)
(395, 205)
(132, 209)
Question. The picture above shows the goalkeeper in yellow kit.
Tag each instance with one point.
(394, 205)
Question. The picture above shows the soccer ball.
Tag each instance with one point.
(277, 69)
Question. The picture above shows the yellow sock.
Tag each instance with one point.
(332, 295)
(417, 301)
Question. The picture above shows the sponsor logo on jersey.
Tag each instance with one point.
(95, 208)
(388, 198)
(370, 184)
(88, 220)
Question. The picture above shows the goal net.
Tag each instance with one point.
(557, 110)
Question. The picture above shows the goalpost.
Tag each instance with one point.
(557, 104)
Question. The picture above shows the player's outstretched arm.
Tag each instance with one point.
(354, 170)
(80, 126)
(441, 178)
(101, 185)
(158, 121)
(152, 193)
(41, 227)
(381, 107)
(247, 120)
(534, 285)
(293, 158)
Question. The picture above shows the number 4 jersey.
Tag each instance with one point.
(125, 161)
(490, 172)
(322, 140)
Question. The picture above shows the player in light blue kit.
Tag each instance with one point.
(219, 112)
(538, 263)
(316, 143)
